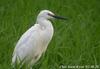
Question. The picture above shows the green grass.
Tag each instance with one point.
(75, 41)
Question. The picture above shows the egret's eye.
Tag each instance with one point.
(49, 14)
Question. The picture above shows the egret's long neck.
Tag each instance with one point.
(46, 24)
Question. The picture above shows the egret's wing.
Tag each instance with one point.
(27, 42)
(27, 35)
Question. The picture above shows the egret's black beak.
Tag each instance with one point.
(58, 17)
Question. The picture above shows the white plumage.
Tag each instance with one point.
(33, 43)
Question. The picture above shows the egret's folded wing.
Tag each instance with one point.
(27, 40)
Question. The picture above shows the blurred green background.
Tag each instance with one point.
(75, 41)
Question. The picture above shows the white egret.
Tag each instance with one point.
(34, 42)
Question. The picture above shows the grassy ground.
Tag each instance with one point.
(75, 42)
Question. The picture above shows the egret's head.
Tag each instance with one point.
(46, 14)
